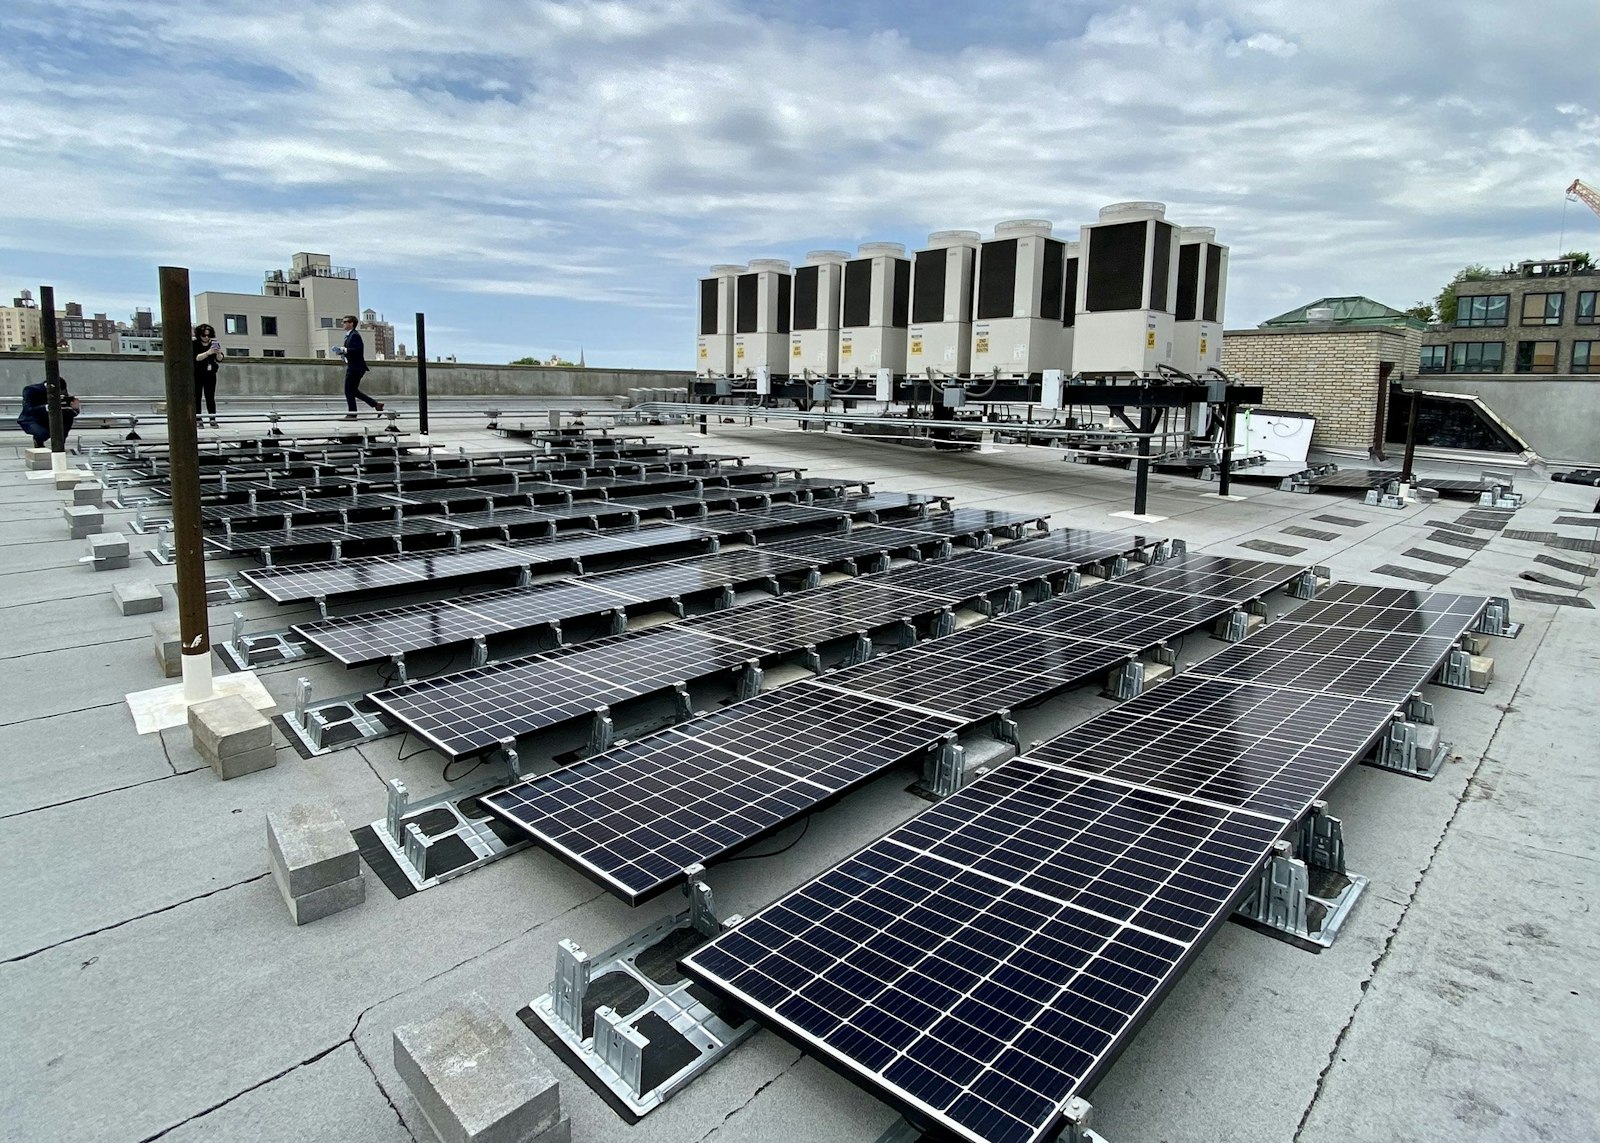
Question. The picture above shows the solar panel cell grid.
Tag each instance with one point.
(1260, 748)
(969, 965)
(1302, 656)
(1220, 576)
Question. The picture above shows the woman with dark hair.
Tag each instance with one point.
(207, 352)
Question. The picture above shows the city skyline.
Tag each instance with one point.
(541, 177)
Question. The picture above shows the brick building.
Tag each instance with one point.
(1541, 318)
(1334, 359)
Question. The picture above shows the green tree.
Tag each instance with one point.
(1445, 304)
(1580, 259)
(527, 361)
(1423, 310)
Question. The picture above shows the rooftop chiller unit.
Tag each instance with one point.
(814, 331)
(940, 335)
(1202, 294)
(874, 309)
(714, 356)
(1127, 285)
(761, 317)
(1020, 288)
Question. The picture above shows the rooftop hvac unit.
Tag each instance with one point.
(1019, 301)
(814, 329)
(1127, 285)
(715, 343)
(940, 335)
(874, 309)
(761, 317)
(1202, 292)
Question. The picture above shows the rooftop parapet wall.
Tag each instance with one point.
(119, 375)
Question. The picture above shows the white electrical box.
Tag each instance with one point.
(714, 346)
(1201, 295)
(1127, 286)
(814, 329)
(761, 317)
(1020, 301)
(940, 335)
(874, 309)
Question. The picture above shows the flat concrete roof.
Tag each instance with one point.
(152, 985)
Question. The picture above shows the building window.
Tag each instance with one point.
(1490, 309)
(1477, 357)
(237, 352)
(322, 353)
(1542, 309)
(1586, 357)
(1536, 357)
(272, 353)
(236, 325)
(1433, 359)
(327, 323)
(269, 326)
(1586, 307)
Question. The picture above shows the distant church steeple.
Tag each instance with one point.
(581, 365)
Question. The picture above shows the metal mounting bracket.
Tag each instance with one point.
(1496, 619)
(1077, 1117)
(751, 677)
(602, 733)
(1004, 728)
(1127, 681)
(1411, 748)
(1234, 626)
(944, 772)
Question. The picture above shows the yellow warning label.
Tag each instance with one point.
(1202, 343)
(704, 353)
(739, 353)
(916, 347)
(981, 345)
(1149, 340)
(795, 351)
(844, 349)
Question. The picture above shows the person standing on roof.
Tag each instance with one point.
(207, 351)
(354, 352)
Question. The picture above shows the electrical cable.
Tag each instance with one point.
(805, 825)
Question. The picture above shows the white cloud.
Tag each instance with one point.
(605, 153)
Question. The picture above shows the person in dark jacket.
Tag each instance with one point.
(207, 351)
(35, 418)
(354, 352)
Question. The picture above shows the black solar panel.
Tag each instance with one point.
(636, 816)
(974, 674)
(1397, 609)
(1120, 613)
(960, 579)
(1260, 748)
(471, 711)
(966, 520)
(978, 965)
(1078, 546)
(1361, 664)
(1220, 576)
(375, 573)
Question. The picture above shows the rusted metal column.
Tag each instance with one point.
(183, 465)
(52, 377)
(422, 378)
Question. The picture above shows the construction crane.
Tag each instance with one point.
(1586, 194)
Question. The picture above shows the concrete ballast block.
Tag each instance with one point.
(311, 848)
(69, 478)
(229, 725)
(247, 762)
(324, 902)
(37, 459)
(137, 598)
(108, 546)
(476, 1080)
(168, 647)
(89, 492)
(83, 519)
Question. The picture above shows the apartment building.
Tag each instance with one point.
(1541, 318)
(19, 323)
(296, 314)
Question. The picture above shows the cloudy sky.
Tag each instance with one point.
(540, 175)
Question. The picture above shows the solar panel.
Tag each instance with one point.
(865, 600)
(1220, 576)
(1260, 748)
(634, 817)
(471, 711)
(778, 625)
(1362, 664)
(1076, 545)
(967, 677)
(1396, 609)
(963, 520)
(978, 966)
(768, 519)
(1121, 614)
(374, 636)
(955, 581)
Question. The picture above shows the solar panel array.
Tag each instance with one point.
(982, 964)
(952, 681)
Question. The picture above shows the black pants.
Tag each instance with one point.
(205, 390)
(352, 390)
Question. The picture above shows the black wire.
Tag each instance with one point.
(805, 824)
(478, 762)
